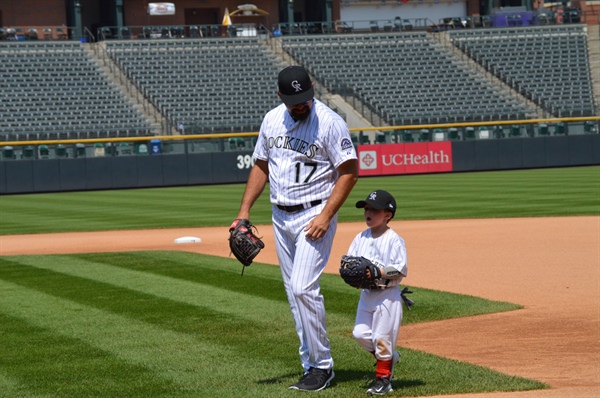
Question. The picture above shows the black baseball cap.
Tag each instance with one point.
(378, 200)
(295, 86)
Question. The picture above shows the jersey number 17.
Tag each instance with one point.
(299, 167)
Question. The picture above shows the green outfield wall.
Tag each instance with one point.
(183, 163)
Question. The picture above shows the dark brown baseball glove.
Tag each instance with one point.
(359, 272)
(244, 244)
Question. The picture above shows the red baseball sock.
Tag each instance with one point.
(383, 369)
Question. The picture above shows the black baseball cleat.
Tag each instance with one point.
(380, 386)
(314, 380)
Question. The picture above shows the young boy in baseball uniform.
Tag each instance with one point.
(379, 312)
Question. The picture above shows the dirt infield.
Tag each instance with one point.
(551, 266)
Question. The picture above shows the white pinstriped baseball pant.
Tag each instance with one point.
(302, 262)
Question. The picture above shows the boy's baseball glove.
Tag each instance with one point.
(353, 271)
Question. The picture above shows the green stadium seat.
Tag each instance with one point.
(28, 152)
(543, 129)
(498, 132)
(99, 149)
(110, 149)
(394, 136)
(589, 127)
(484, 133)
(141, 148)
(424, 135)
(407, 136)
(8, 152)
(380, 138)
(470, 133)
(453, 134)
(363, 138)
(79, 150)
(60, 151)
(515, 130)
(236, 143)
(43, 151)
(125, 148)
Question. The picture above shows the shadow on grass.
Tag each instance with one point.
(279, 379)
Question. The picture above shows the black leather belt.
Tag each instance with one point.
(293, 209)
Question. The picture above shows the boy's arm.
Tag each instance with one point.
(390, 272)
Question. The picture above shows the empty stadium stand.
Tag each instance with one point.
(547, 64)
(203, 86)
(55, 90)
(405, 77)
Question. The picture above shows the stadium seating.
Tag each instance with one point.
(227, 84)
(405, 77)
(205, 86)
(547, 64)
(58, 91)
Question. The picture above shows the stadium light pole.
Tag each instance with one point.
(78, 23)
(290, 11)
(328, 12)
(119, 13)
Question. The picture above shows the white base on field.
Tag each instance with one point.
(188, 239)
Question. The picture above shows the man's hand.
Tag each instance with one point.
(317, 227)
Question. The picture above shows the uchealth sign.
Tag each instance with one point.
(391, 159)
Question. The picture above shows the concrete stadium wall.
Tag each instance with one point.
(99, 173)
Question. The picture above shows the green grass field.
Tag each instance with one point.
(519, 193)
(172, 324)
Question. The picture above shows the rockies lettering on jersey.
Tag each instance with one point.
(294, 144)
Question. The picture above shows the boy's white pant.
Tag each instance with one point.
(378, 320)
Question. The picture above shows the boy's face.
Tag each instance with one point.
(376, 218)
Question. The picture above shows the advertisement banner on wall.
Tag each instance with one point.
(393, 159)
(161, 9)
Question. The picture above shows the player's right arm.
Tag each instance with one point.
(348, 176)
(257, 180)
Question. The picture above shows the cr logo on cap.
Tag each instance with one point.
(296, 85)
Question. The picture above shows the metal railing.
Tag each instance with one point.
(114, 146)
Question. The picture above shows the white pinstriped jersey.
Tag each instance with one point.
(303, 156)
(387, 250)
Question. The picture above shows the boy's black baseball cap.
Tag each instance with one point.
(295, 86)
(378, 200)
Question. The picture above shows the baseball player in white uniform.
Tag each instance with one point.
(305, 152)
(379, 312)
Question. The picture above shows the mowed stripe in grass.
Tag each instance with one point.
(518, 193)
(105, 210)
(195, 290)
(185, 361)
(43, 359)
(176, 341)
(162, 315)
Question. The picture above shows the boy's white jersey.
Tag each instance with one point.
(388, 250)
